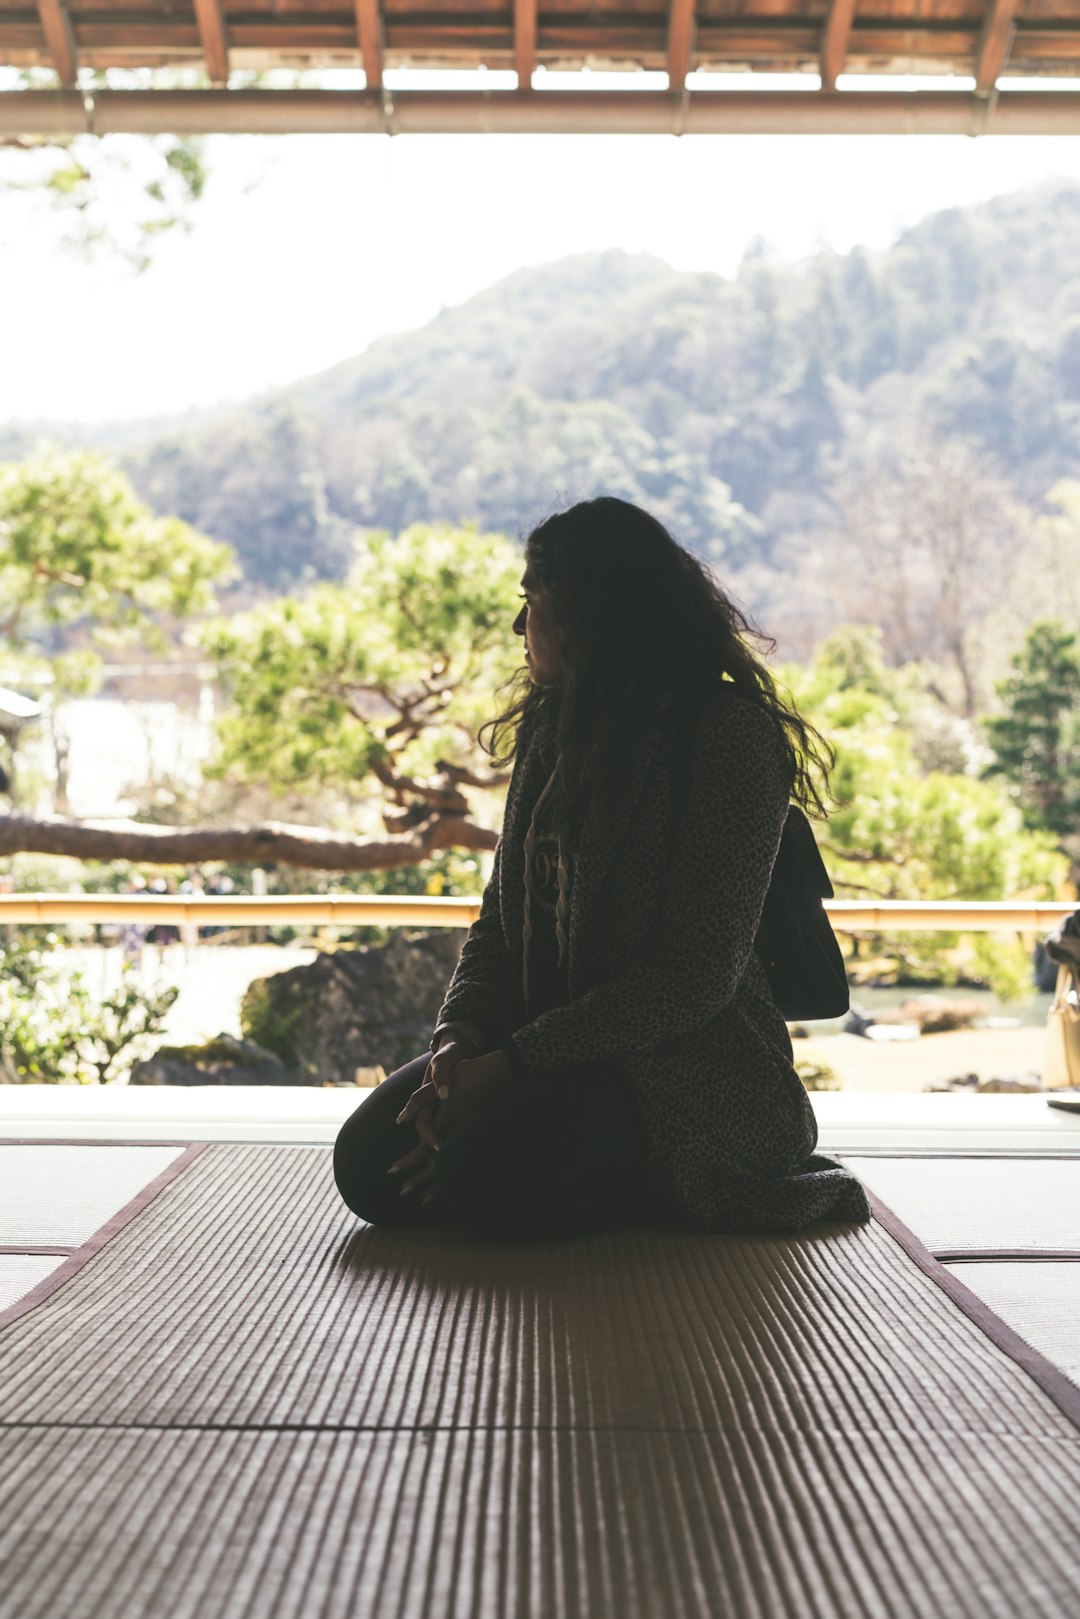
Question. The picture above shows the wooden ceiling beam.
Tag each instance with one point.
(602, 112)
(214, 41)
(834, 41)
(680, 42)
(995, 38)
(525, 41)
(369, 31)
(60, 39)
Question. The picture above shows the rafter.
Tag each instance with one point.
(60, 38)
(995, 38)
(834, 41)
(215, 47)
(370, 34)
(680, 42)
(524, 41)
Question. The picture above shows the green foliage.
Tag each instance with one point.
(900, 831)
(55, 1031)
(1036, 738)
(393, 670)
(815, 1073)
(76, 545)
(115, 195)
(267, 1020)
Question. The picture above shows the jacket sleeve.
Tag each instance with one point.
(722, 860)
(481, 992)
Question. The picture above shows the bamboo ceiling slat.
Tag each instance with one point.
(56, 26)
(214, 40)
(525, 15)
(681, 31)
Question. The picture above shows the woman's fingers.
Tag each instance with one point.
(418, 1168)
(443, 1063)
(476, 1082)
(440, 1069)
(423, 1178)
(424, 1125)
(411, 1160)
(420, 1099)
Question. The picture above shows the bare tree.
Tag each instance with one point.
(926, 541)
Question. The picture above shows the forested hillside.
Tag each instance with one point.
(734, 408)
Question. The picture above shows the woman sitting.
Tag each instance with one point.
(609, 1050)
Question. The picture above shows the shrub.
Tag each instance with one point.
(55, 1031)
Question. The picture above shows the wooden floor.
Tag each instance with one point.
(209, 1364)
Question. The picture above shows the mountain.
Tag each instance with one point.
(722, 404)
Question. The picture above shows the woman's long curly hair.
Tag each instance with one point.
(643, 630)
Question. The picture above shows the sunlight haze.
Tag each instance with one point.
(306, 248)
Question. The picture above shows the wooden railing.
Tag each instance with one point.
(421, 910)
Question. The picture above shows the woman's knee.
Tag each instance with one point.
(370, 1140)
(362, 1181)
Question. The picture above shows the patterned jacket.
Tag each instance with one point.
(664, 980)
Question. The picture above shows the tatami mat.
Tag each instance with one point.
(1039, 1299)
(247, 1404)
(530, 1524)
(954, 1204)
(20, 1272)
(247, 1294)
(59, 1195)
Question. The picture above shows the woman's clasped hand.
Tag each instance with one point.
(455, 1085)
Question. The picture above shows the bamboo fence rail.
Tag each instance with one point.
(383, 910)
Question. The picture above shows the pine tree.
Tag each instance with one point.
(1036, 740)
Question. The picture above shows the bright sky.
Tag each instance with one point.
(306, 248)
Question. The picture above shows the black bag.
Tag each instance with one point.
(795, 940)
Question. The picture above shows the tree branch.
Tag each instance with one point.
(863, 856)
(469, 778)
(435, 797)
(275, 842)
(59, 576)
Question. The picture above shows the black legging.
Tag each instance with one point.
(560, 1156)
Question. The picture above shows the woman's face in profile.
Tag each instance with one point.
(536, 624)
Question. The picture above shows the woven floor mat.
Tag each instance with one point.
(1040, 1301)
(246, 1404)
(60, 1194)
(953, 1204)
(529, 1524)
(20, 1272)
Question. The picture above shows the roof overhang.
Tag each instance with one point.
(679, 44)
(886, 112)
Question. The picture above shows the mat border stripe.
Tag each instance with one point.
(78, 1258)
(1054, 1383)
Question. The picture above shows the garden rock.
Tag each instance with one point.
(223, 1061)
(936, 1014)
(353, 1009)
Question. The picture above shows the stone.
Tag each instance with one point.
(363, 1007)
(222, 1061)
(959, 1082)
(1022, 1085)
(935, 1014)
